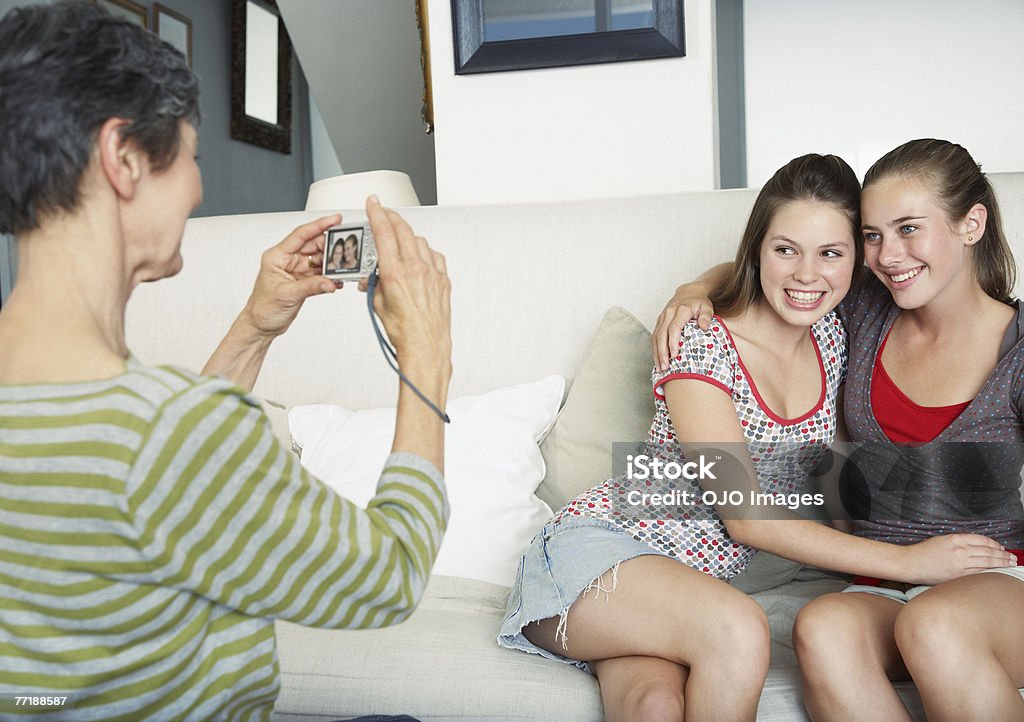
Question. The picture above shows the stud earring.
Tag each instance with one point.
(970, 239)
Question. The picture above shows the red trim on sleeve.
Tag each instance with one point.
(695, 377)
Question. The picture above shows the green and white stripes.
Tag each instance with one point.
(151, 530)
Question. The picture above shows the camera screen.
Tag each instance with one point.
(344, 250)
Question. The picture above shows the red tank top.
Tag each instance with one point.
(901, 419)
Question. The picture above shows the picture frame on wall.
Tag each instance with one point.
(127, 9)
(261, 76)
(175, 28)
(422, 22)
(500, 35)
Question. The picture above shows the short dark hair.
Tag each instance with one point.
(957, 182)
(65, 69)
(811, 177)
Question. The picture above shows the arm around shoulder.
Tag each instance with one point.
(690, 301)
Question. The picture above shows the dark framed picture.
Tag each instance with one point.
(497, 35)
(261, 76)
(175, 28)
(127, 9)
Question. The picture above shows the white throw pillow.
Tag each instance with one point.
(493, 466)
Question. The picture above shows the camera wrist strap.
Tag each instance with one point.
(390, 355)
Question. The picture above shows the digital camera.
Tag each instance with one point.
(349, 252)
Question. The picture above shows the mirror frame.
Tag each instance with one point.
(245, 127)
(472, 55)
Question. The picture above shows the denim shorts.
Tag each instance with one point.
(563, 561)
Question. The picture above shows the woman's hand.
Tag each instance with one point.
(413, 296)
(943, 558)
(290, 272)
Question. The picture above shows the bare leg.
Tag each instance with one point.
(847, 651)
(641, 688)
(662, 608)
(963, 642)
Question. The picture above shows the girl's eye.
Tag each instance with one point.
(832, 253)
(871, 237)
(905, 230)
(785, 251)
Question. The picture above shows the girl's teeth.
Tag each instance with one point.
(905, 276)
(805, 297)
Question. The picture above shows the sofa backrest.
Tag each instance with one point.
(530, 285)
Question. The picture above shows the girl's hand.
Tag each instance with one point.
(943, 558)
(687, 303)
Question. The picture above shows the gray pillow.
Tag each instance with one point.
(611, 400)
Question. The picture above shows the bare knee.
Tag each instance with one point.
(743, 644)
(657, 702)
(930, 633)
(823, 628)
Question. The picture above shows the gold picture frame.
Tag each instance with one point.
(422, 23)
(175, 28)
(127, 9)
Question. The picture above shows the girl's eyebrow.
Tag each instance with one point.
(895, 222)
(830, 244)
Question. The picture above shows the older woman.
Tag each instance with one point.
(151, 527)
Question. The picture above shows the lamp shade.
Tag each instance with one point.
(392, 187)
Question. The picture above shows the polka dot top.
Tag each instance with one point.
(780, 449)
(967, 479)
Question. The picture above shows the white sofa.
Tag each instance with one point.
(531, 284)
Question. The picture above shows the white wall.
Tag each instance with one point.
(588, 131)
(325, 158)
(859, 78)
(362, 61)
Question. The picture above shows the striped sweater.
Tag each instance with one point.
(151, 530)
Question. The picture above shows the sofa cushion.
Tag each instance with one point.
(610, 400)
(443, 664)
(492, 468)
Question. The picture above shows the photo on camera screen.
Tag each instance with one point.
(344, 251)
